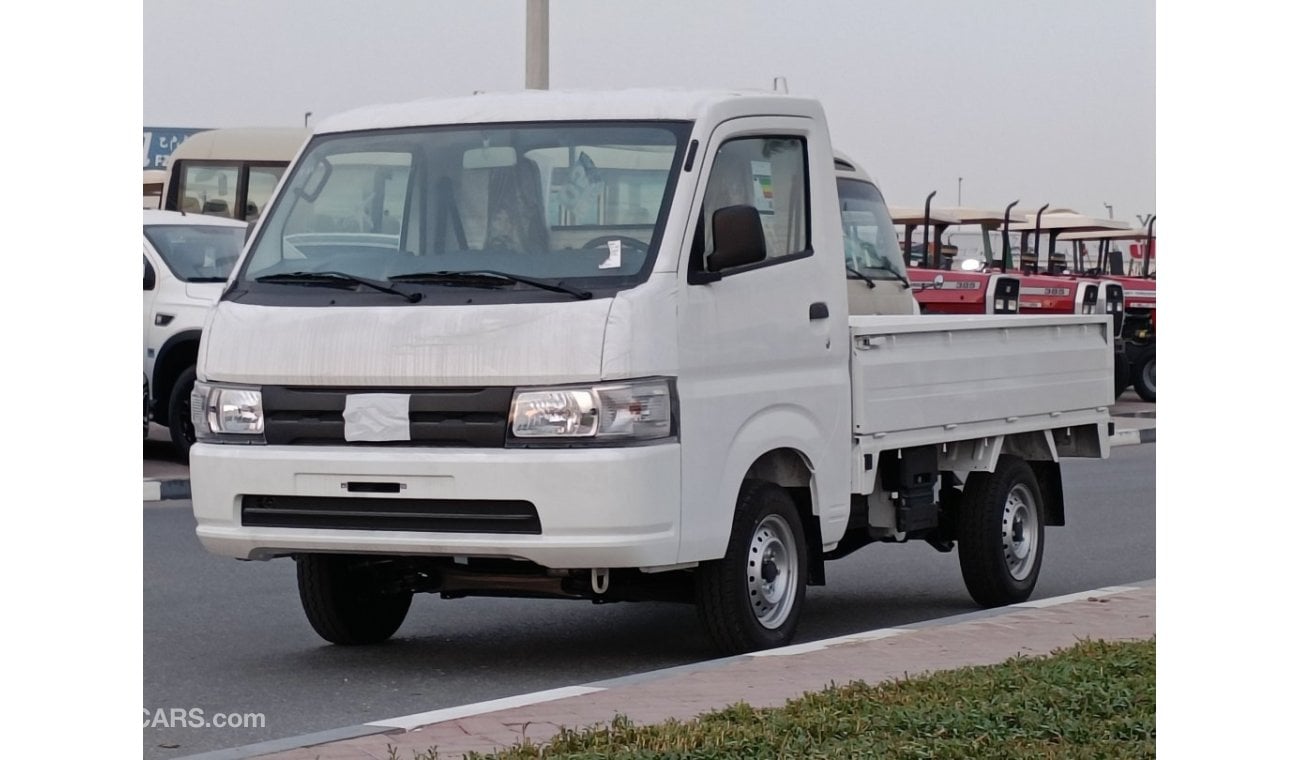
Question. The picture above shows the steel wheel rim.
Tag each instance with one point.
(1020, 532)
(1149, 374)
(771, 571)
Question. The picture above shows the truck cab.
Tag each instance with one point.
(599, 346)
(873, 263)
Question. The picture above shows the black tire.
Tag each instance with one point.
(178, 414)
(751, 598)
(1144, 374)
(1123, 374)
(344, 601)
(1000, 533)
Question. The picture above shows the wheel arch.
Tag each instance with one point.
(178, 352)
(789, 468)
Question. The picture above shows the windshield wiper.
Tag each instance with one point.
(870, 282)
(902, 281)
(488, 278)
(341, 278)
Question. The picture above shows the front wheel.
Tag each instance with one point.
(1000, 533)
(346, 600)
(750, 599)
(179, 423)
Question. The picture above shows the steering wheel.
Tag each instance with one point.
(629, 243)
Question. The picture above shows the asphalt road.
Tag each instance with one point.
(227, 636)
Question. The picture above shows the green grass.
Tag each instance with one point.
(1093, 700)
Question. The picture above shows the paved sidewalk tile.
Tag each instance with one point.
(770, 681)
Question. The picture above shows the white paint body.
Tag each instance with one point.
(173, 306)
(753, 372)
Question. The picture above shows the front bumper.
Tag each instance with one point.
(598, 507)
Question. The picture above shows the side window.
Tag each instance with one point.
(771, 175)
(209, 188)
(261, 183)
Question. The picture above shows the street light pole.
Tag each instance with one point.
(959, 191)
(1110, 210)
(305, 118)
(537, 46)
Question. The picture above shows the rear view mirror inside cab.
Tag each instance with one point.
(490, 158)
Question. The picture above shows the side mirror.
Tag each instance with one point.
(150, 278)
(737, 238)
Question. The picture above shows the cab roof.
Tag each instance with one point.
(850, 169)
(244, 143)
(562, 105)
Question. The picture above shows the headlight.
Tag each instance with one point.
(227, 414)
(632, 410)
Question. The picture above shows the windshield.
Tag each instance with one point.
(197, 253)
(577, 204)
(869, 240)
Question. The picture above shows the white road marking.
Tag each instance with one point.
(1053, 601)
(408, 722)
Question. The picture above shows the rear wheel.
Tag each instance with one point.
(1000, 533)
(1144, 374)
(751, 598)
(179, 423)
(346, 599)
(1123, 374)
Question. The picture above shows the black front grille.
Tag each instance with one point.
(474, 417)
(360, 513)
(1006, 290)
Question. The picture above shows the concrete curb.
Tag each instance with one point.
(404, 724)
(165, 490)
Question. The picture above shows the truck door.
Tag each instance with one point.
(763, 345)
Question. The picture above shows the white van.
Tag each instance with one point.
(187, 258)
(229, 172)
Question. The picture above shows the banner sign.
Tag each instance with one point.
(159, 142)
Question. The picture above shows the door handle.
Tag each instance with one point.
(818, 310)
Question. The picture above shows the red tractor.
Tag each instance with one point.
(941, 288)
(1060, 287)
(1053, 290)
(1139, 282)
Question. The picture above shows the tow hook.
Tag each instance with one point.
(600, 579)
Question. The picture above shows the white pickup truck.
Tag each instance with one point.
(599, 346)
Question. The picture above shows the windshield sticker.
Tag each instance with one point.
(615, 259)
(763, 194)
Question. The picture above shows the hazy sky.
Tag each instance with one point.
(1023, 99)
